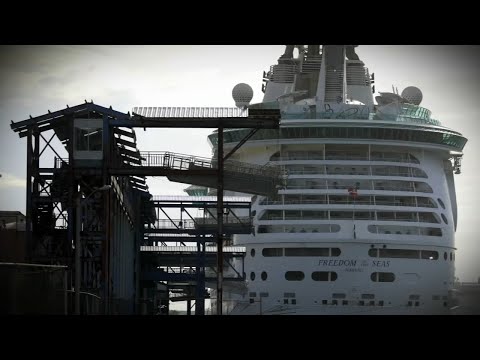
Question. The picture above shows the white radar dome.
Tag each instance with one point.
(242, 94)
(413, 95)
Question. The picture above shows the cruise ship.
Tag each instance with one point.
(366, 221)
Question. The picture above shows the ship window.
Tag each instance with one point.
(444, 219)
(373, 252)
(429, 255)
(368, 296)
(294, 275)
(441, 203)
(408, 230)
(423, 187)
(252, 252)
(380, 303)
(264, 294)
(339, 296)
(324, 276)
(252, 294)
(445, 256)
(382, 277)
(399, 253)
(264, 276)
(320, 276)
(294, 301)
(428, 217)
(336, 252)
(88, 139)
(426, 202)
(451, 257)
(306, 251)
(271, 252)
(432, 232)
(289, 295)
(252, 276)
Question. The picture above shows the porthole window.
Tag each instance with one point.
(441, 203)
(252, 252)
(451, 257)
(444, 219)
(252, 276)
(324, 276)
(445, 256)
(264, 275)
(294, 275)
(382, 277)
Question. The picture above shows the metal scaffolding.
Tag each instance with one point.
(88, 211)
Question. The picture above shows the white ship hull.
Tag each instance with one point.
(365, 224)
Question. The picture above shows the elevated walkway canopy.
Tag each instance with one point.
(188, 169)
(237, 218)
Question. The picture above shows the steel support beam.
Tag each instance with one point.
(28, 212)
(220, 221)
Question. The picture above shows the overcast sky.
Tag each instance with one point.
(35, 79)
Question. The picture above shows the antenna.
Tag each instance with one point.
(393, 89)
(396, 89)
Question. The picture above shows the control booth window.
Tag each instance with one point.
(88, 139)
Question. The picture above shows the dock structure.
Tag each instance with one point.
(92, 211)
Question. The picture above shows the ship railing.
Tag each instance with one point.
(245, 220)
(347, 202)
(292, 202)
(326, 115)
(364, 186)
(351, 114)
(191, 224)
(342, 158)
(350, 172)
(317, 228)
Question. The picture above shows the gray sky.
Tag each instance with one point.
(35, 79)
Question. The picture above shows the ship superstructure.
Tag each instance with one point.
(367, 218)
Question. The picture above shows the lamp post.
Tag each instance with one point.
(78, 222)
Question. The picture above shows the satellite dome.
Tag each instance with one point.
(242, 94)
(413, 95)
